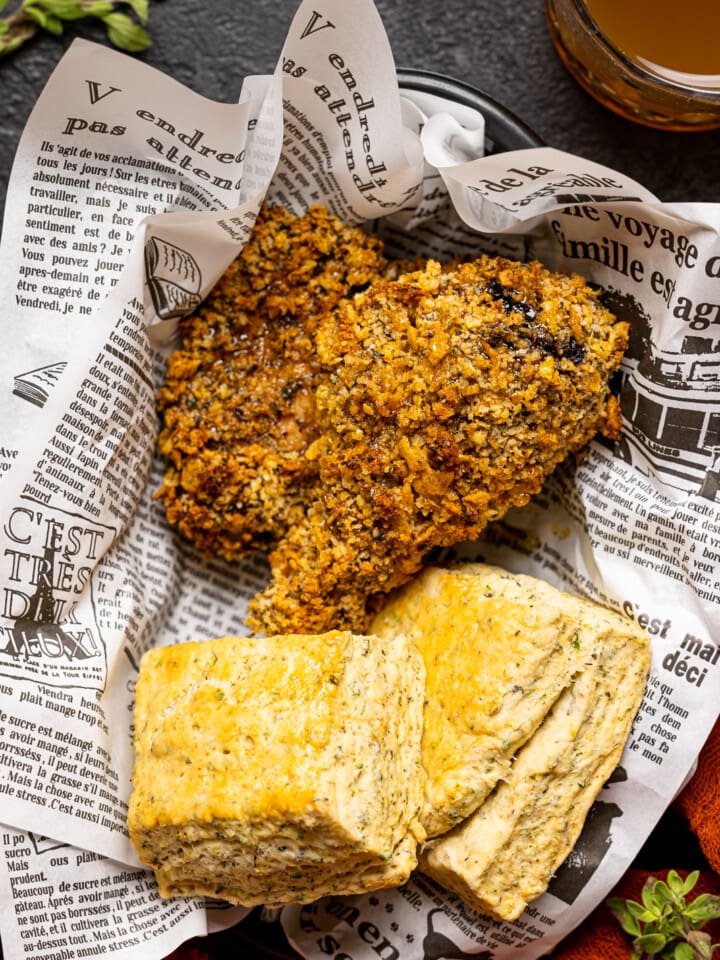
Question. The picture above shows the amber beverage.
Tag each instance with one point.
(653, 61)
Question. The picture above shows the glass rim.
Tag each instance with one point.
(710, 94)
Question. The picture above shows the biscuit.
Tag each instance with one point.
(499, 649)
(505, 854)
(272, 770)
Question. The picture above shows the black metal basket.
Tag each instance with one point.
(503, 130)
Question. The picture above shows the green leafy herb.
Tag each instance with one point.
(665, 925)
(125, 21)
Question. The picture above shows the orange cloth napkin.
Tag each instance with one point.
(700, 800)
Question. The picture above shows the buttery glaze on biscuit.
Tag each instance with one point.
(275, 770)
(504, 854)
(499, 649)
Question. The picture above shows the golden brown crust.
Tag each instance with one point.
(450, 396)
(348, 437)
(238, 400)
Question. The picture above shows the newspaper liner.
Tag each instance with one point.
(129, 196)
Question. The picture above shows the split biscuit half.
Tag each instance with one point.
(276, 770)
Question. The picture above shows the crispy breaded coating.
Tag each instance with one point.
(238, 400)
(450, 396)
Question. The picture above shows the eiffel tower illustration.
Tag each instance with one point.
(35, 631)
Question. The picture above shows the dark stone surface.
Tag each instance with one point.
(503, 49)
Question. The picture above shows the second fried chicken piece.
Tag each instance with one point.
(238, 399)
(449, 398)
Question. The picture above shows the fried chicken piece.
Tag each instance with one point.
(238, 399)
(450, 396)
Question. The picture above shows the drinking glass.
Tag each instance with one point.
(653, 61)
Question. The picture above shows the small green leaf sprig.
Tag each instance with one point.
(665, 925)
(125, 21)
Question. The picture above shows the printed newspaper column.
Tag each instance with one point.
(85, 447)
(74, 903)
(340, 105)
(64, 769)
(128, 143)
